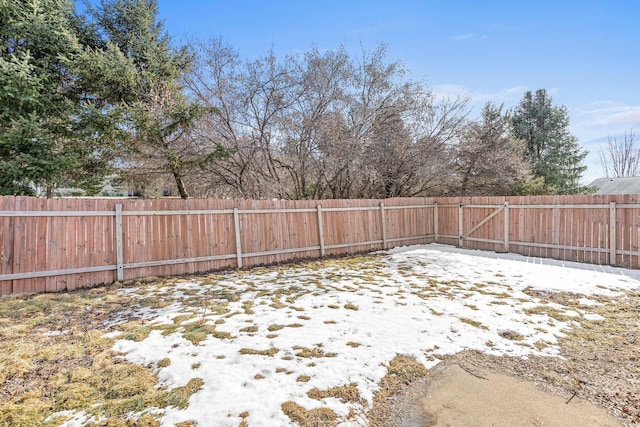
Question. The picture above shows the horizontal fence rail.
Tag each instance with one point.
(65, 244)
(51, 245)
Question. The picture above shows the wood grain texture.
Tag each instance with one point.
(163, 237)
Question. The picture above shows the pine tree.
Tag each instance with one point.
(554, 153)
(41, 144)
(135, 75)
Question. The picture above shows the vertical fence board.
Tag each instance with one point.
(42, 243)
(6, 244)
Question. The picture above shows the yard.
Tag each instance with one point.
(325, 342)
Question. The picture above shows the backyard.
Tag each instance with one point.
(329, 342)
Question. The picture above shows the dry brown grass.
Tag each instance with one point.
(269, 352)
(311, 352)
(401, 373)
(317, 417)
(473, 323)
(196, 332)
(345, 393)
(163, 363)
(53, 357)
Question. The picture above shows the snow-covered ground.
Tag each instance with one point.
(352, 319)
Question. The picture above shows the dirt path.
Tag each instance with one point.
(459, 396)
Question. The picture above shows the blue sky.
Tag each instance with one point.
(585, 53)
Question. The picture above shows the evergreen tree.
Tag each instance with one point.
(135, 74)
(554, 153)
(41, 143)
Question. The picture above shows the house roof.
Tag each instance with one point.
(625, 185)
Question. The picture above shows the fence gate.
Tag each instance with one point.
(486, 221)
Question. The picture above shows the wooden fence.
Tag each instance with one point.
(596, 229)
(49, 245)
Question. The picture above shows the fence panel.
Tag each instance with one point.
(64, 244)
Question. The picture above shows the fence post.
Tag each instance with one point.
(384, 226)
(236, 223)
(321, 231)
(506, 227)
(460, 238)
(612, 233)
(435, 221)
(119, 245)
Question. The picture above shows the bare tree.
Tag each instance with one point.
(438, 126)
(390, 158)
(248, 98)
(622, 157)
(320, 125)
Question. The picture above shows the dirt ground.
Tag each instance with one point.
(460, 396)
(470, 389)
(596, 382)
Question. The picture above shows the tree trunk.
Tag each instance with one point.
(180, 183)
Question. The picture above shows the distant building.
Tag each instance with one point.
(625, 185)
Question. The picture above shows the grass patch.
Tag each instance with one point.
(511, 335)
(270, 352)
(345, 393)
(134, 331)
(275, 327)
(308, 418)
(163, 363)
(197, 332)
(276, 303)
(554, 313)
(153, 302)
(311, 352)
(541, 345)
(350, 306)
(249, 329)
(74, 368)
(473, 323)
(181, 318)
(402, 371)
(354, 344)
(179, 397)
(247, 307)
(303, 379)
